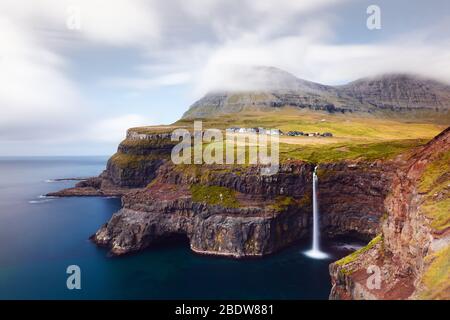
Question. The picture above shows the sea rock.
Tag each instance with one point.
(164, 210)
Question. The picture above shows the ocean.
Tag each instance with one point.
(40, 237)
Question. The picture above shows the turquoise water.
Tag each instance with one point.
(40, 237)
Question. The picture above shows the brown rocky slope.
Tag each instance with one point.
(412, 251)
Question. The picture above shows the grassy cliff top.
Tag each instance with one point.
(345, 127)
(354, 136)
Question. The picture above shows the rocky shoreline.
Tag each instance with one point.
(92, 187)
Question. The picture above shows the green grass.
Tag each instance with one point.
(436, 278)
(323, 153)
(282, 203)
(439, 212)
(214, 195)
(144, 143)
(125, 161)
(436, 180)
(344, 127)
(349, 151)
(354, 255)
(435, 171)
(354, 136)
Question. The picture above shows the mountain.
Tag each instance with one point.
(265, 88)
(400, 92)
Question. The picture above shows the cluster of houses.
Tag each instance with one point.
(308, 134)
(277, 132)
(272, 132)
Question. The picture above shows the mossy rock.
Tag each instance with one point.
(436, 279)
(435, 180)
(355, 255)
(130, 161)
(436, 174)
(282, 203)
(148, 143)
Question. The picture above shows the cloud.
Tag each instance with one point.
(196, 44)
(113, 129)
(319, 61)
(35, 96)
(38, 99)
(118, 22)
(142, 83)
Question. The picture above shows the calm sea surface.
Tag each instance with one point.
(40, 237)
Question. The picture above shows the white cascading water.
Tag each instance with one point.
(315, 250)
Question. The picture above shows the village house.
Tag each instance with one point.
(278, 132)
(310, 134)
(273, 132)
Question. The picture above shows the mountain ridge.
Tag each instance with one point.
(265, 88)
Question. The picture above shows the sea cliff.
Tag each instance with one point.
(401, 202)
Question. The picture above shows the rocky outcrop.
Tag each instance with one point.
(137, 159)
(92, 187)
(133, 166)
(252, 228)
(267, 214)
(413, 250)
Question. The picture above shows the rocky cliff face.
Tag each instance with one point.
(137, 159)
(230, 210)
(412, 251)
(240, 213)
(351, 196)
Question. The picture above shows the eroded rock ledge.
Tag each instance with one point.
(93, 187)
(254, 228)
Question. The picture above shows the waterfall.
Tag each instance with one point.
(315, 250)
(316, 230)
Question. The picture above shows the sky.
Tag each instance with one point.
(75, 74)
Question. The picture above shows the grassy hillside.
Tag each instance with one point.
(354, 136)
